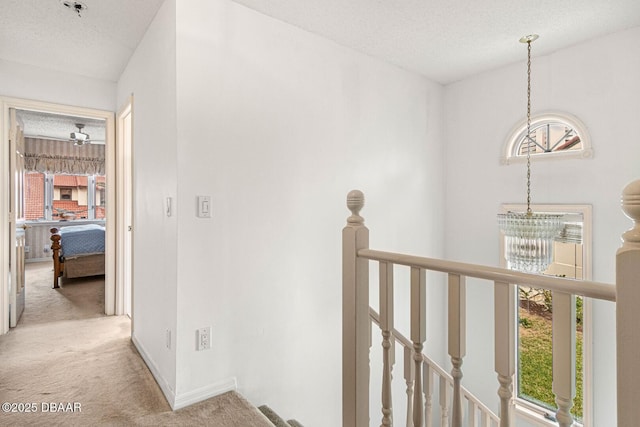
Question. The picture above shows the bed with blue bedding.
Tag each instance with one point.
(78, 251)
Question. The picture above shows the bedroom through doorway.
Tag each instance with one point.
(68, 180)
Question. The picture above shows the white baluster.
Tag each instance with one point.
(627, 302)
(504, 324)
(457, 340)
(408, 378)
(388, 351)
(486, 420)
(355, 317)
(444, 402)
(564, 359)
(418, 336)
(428, 394)
(473, 418)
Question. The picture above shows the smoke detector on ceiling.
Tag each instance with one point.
(76, 6)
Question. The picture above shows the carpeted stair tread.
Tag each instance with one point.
(273, 416)
(276, 420)
(226, 410)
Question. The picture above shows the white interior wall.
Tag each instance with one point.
(151, 76)
(277, 125)
(596, 81)
(29, 82)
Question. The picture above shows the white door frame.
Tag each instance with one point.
(108, 116)
(16, 219)
(125, 202)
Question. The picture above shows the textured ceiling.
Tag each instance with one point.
(448, 40)
(98, 44)
(56, 126)
(445, 40)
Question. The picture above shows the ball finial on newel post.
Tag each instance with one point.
(355, 203)
(631, 208)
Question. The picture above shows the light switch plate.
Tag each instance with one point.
(204, 206)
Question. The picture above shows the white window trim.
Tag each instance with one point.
(524, 408)
(508, 150)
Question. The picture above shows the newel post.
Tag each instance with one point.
(355, 317)
(627, 302)
(55, 250)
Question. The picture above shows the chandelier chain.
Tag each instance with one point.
(529, 127)
(529, 236)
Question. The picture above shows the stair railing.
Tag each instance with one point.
(419, 371)
(432, 376)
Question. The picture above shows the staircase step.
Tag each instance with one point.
(276, 420)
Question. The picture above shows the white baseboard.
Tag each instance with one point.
(203, 393)
(164, 386)
(189, 398)
(29, 260)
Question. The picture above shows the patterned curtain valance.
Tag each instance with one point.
(45, 155)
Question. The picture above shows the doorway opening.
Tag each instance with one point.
(90, 197)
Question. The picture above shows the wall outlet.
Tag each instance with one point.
(27, 249)
(46, 249)
(203, 338)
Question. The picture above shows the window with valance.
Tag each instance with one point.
(63, 180)
(49, 156)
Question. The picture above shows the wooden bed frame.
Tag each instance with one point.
(74, 266)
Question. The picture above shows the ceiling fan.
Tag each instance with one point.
(79, 137)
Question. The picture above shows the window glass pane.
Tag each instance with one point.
(553, 135)
(100, 196)
(34, 196)
(70, 197)
(549, 136)
(535, 314)
(66, 193)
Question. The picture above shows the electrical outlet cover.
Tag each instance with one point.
(203, 338)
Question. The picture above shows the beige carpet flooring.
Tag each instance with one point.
(65, 351)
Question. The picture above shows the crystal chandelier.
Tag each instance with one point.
(529, 236)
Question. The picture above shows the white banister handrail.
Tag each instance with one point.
(586, 288)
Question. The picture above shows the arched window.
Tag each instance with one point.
(553, 135)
